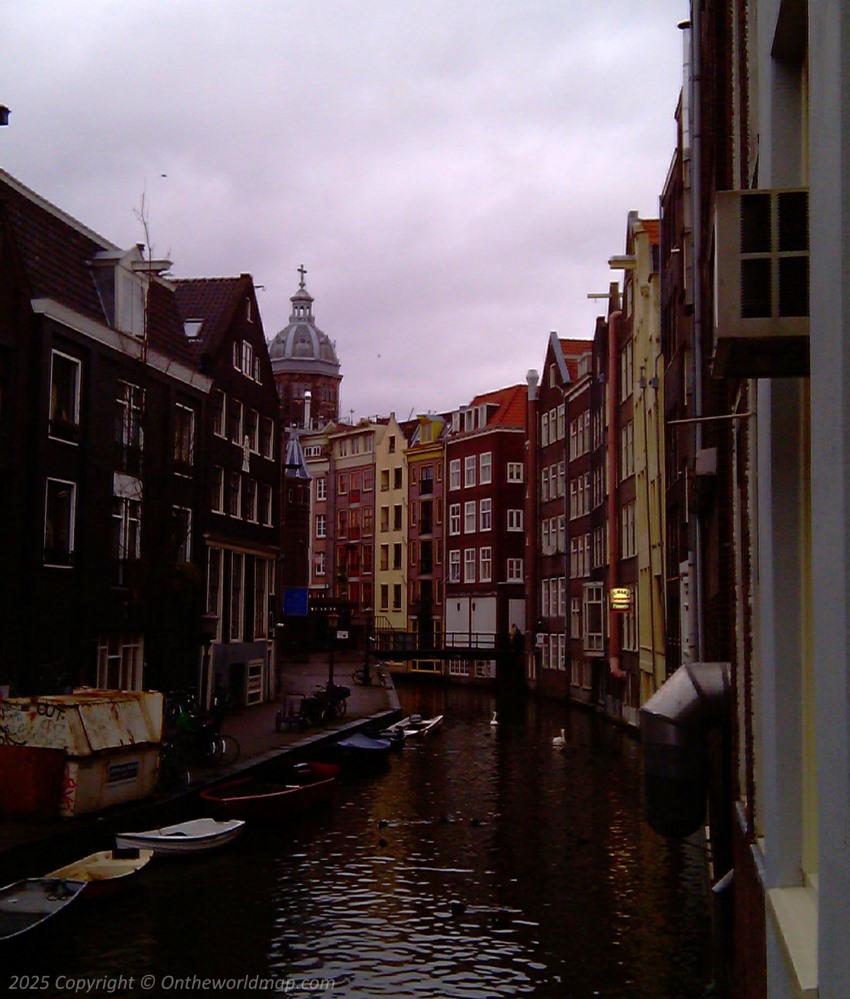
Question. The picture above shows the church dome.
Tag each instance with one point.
(301, 346)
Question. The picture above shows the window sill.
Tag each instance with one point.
(794, 912)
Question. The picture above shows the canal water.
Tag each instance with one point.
(482, 862)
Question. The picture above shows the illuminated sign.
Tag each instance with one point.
(621, 598)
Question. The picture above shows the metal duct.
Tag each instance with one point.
(675, 723)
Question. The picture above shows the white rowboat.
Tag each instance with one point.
(194, 836)
(412, 726)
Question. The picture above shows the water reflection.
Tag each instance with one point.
(483, 863)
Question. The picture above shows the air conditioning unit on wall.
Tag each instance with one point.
(761, 283)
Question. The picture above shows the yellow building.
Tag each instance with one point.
(641, 302)
(426, 609)
(391, 526)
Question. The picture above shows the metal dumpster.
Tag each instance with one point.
(110, 739)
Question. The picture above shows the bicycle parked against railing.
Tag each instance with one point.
(191, 738)
(365, 676)
(325, 705)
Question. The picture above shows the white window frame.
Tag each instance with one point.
(184, 435)
(128, 651)
(131, 403)
(470, 517)
(485, 514)
(72, 418)
(515, 520)
(485, 468)
(515, 471)
(514, 570)
(469, 471)
(454, 518)
(184, 544)
(485, 564)
(469, 561)
(236, 602)
(70, 526)
(454, 474)
(593, 597)
(219, 415)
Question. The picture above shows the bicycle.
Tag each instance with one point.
(365, 677)
(328, 703)
(191, 739)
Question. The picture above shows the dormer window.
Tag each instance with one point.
(192, 328)
(130, 296)
(123, 278)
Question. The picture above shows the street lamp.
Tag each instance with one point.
(333, 621)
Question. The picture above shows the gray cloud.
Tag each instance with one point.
(454, 175)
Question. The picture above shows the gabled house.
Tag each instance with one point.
(485, 528)
(559, 497)
(101, 545)
(425, 459)
(224, 330)
(391, 513)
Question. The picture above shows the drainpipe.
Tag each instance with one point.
(696, 235)
(675, 724)
(531, 520)
(613, 533)
(651, 580)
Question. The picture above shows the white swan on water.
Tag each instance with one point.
(559, 741)
(494, 721)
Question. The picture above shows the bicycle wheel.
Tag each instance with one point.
(210, 750)
(359, 677)
(341, 706)
(230, 750)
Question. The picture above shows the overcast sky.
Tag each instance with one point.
(454, 174)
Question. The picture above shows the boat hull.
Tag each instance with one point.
(34, 903)
(105, 872)
(413, 727)
(360, 752)
(296, 791)
(184, 838)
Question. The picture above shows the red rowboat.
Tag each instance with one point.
(299, 788)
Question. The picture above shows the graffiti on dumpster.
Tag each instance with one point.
(68, 794)
(43, 724)
(48, 710)
(13, 728)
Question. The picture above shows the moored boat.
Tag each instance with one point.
(412, 726)
(293, 790)
(194, 836)
(106, 872)
(360, 751)
(30, 904)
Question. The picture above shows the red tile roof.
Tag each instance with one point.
(512, 403)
